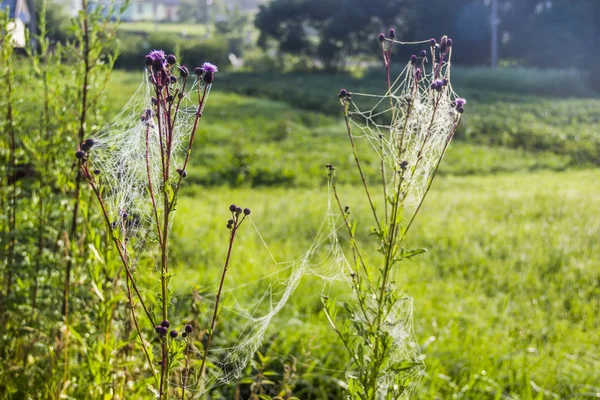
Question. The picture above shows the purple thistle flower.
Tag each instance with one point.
(208, 67)
(157, 55)
(460, 105)
(209, 72)
(438, 84)
(413, 59)
(381, 37)
(392, 33)
(432, 42)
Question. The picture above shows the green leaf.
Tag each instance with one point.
(412, 253)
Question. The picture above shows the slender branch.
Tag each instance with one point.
(362, 175)
(216, 309)
(150, 188)
(186, 369)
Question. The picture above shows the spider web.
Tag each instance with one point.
(118, 159)
(409, 128)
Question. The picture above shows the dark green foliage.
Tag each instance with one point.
(192, 51)
(325, 29)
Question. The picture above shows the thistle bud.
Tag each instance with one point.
(246, 211)
(232, 207)
(392, 33)
(165, 323)
(423, 53)
(80, 154)
(183, 72)
(173, 334)
(171, 59)
(188, 328)
(444, 44)
(238, 210)
(432, 42)
(173, 79)
(161, 330)
(381, 37)
(413, 59)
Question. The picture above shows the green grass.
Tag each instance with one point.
(505, 300)
(169, 28)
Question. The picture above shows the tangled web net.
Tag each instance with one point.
(118, 160)
(409, 127)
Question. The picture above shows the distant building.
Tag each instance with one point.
(138, 10)
(18, 13)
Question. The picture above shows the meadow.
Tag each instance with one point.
(507, 296)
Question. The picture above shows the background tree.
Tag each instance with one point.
(328, 30)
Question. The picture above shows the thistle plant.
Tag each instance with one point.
(136, 172)
(410, 129)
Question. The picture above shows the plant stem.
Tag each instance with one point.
(362, 176)
(216, 309)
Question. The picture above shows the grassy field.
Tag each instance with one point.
(505, 301)
(507, 297)
(178, 28)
